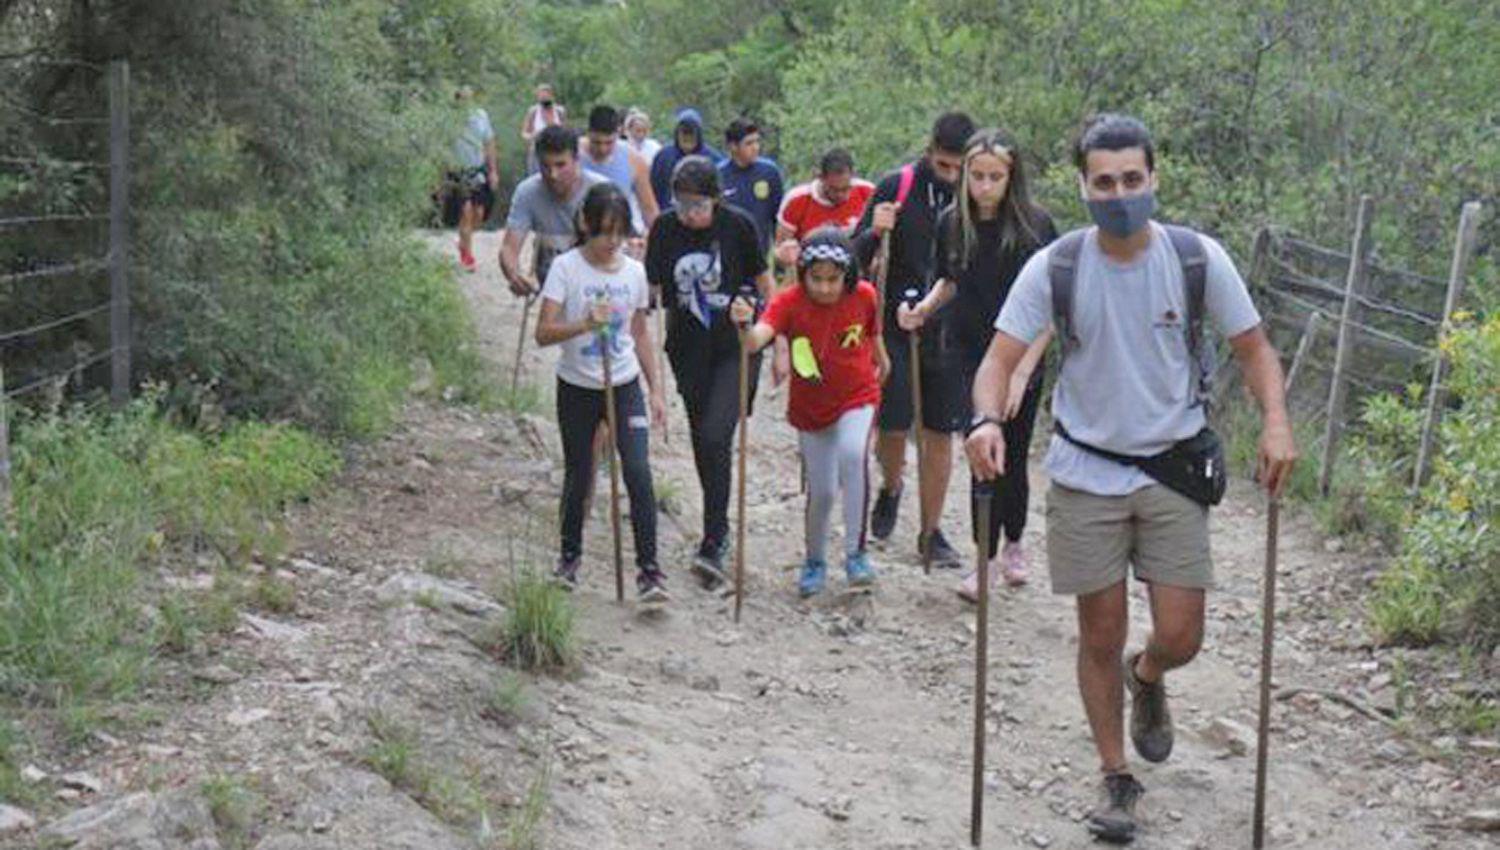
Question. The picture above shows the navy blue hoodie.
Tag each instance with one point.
(668, 157)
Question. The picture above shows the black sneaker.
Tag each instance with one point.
(651, 585)
(1150, 719)
(708, 564)
(883, 517)
(565, 575)
(1114, 819)
(937, 551)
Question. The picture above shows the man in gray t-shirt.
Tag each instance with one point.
(544, 204)
(1128, 386)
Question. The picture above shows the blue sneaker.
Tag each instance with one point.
(858, 570)
(814, 573)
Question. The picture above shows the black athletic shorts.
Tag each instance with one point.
(945, 403)
(466, 186)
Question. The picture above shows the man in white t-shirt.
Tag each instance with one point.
(1128, 387)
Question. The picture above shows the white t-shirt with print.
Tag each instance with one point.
(576, 285)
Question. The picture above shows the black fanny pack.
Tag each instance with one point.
(1193, 467)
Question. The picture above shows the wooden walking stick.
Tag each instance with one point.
(739, 543)
(984, 498)
(914, 338)
(605, 338)
(515, 372)
(1267, 639)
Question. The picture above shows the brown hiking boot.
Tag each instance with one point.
(1150, 719)
(1114, 819)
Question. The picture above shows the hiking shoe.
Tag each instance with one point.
(883, 517)
(565, 575)
(814, 573)
(969, 587)
(708, 564)
(1013, 566)
(858, 571)
(1114, 819)
(937, 551)
(1150, 720)
(651, 585)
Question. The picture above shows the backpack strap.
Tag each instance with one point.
(1062, 271)
(907, 180)
(1194, 260)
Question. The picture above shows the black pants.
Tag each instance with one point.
(710, 388)
(579, 412)
(1011, 492)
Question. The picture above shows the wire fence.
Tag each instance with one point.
(1384, 326)
(26, 269)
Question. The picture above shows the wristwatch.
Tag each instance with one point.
(980, 420)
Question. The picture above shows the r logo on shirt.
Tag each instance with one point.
(852, 336)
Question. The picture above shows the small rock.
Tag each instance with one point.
(839, 808)
(1333, 545)
(13, 820)
(272, 630)
(1039, 839)
(1235, 738)
(1481, 820)
(1392, 751)
(673, 668)
(709, 683)
(80, 781)
(33, 774)
(1480, 745)
(217, 674)
(247, 717)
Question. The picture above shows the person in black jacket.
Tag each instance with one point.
(701, 254)
(912, 224)
(983, 240)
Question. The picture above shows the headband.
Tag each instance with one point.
(836, 254)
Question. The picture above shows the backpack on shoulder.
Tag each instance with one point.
(1194, 467)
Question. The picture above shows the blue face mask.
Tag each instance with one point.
(1123, 217)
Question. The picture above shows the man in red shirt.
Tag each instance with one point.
(836, 198)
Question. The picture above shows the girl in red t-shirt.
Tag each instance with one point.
(832, 319)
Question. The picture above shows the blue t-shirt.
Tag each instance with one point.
(756, 189)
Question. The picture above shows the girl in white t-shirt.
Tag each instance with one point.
(593, 305)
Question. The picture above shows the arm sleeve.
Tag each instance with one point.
(555, 288)
(518, 220)
(657, 273)
(1226, 300)
(755, 259)
(876, 318)
(778, 314)
(944, 266)
(1028, 309)
(864, 239)
(783, 217)
(486, 129)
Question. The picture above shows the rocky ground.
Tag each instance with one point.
(376, 714)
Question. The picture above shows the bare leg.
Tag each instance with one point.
(1103, 625)
(937, 470)
(890, 451)
(1176, 630)
(468, 222)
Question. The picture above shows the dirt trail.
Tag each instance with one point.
(838, 723)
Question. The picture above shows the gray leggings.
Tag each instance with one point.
(837, 458)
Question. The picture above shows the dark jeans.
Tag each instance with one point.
(1012, 491)
(579, 412)
(710, 389)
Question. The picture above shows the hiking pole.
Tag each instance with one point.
(1267, 637)
(739, 543)
(515, 373)
(605, 338)
(661, 360)
(983, 498)
(914, 338)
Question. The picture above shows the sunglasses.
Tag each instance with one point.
(693, 205)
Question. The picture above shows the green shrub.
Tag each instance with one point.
(538, 629)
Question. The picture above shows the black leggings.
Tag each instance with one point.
(710, 391)
(579, 412)
(1012, 491)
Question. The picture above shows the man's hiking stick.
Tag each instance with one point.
(612, 423)
(515, 372)
(661, 360)
(1267, 639)
(915, 340)
(983, 499)
(739, 543)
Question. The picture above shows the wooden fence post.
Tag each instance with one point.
(1309, 337)
(1463, 252)
(1354, 287)
(4, 458)
(1259, 252)
(119, 232)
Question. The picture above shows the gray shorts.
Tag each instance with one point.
(1092, 540)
